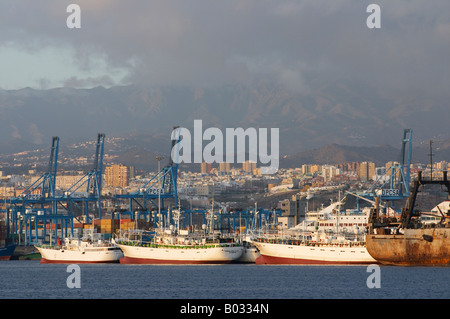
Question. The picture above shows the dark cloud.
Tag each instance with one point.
(76, 82)
(206, 42)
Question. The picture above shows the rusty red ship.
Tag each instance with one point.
(409, 240)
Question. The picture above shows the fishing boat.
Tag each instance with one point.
(181, 247)
(173, 245)
(413, 239)
(329, 236)
(91, 248)
(6, 252)
(6, 246)
(311, 248)
(249, 252)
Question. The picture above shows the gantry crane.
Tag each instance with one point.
(91, 182)
(158, 188)
(397, 185)
(394, 184)
(37, 205)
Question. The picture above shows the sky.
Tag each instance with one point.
(298, 44)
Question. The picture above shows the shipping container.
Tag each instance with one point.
(127, 225)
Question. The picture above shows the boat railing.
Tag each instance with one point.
(175, 246)
(48, 246)
(310, 242)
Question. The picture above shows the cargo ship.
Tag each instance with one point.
(412, 240)
(180, 247)
(91, 248)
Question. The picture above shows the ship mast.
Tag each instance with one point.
(338, 212)
(431, 160)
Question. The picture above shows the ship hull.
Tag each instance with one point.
(6, 252)
(162, 255)
(421, 247)
(76, 261)
(312, 255)
(249, 255)
(61, 256)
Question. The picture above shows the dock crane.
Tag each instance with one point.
(92, 181)
(396, 187)
(46, 183)
(37, 205)
(162, 186)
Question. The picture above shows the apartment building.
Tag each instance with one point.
(117, 176)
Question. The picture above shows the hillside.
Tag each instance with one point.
(140, 151)
(336, 154)
(341, 114)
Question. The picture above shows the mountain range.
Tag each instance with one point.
(138, 151)
(334, 123)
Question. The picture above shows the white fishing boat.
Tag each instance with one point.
(91, 248)
(311, 249)
(180, 247)
(249, 253)
(329, 236)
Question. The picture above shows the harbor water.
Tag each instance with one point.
(31, 280)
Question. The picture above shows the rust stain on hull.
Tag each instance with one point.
(427, 247)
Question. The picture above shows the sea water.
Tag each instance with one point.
(20, 279)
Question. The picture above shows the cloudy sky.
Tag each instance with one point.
(212, 42)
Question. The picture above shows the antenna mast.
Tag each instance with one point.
(431, 160)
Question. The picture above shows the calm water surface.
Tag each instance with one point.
(31, 280)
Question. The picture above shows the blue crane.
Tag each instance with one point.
(91, 182)
(37, 205)
(160, 187)
(46, 183)
(396, 186)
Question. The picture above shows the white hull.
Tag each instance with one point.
(318, 254)
(249, 255)
(82, 255)
(166, 255)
